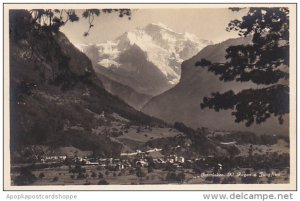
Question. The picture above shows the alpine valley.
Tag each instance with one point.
(147, 60)
(127, 111)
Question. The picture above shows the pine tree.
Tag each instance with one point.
(264, 62)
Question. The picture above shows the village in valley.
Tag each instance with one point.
(242, 163)
(154, 103)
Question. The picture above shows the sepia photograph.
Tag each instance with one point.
(149, 96)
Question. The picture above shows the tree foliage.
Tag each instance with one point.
(264, 62)
(52, 19)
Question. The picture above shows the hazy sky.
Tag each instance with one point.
(206, 23)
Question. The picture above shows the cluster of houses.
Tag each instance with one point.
(47, 159)
(140, 159)
(139, 152)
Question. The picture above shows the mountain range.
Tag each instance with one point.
(146, 59)
(182, 102)
(57, 100)
(59, 97)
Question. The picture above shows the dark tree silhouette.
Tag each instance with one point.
(264, 62)
(52, 19)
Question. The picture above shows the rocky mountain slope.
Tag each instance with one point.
(126, 93)
(55, 94)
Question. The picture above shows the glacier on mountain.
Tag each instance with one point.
(163, 47)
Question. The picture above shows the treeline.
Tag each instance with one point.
(166, 142)
(198, 143)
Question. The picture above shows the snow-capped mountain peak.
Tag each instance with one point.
(165, 48)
